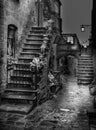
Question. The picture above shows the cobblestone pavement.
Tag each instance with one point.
(66, 111)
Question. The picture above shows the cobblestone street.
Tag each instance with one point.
(66, 111)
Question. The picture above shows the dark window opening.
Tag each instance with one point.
(11, 39)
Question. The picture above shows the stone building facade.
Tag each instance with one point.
(93, 32)
(1, 36)
(17, 17)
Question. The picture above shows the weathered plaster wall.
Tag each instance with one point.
(1, 38)
(18, 13)
(22, 14)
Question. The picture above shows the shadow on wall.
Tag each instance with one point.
(72, 65)
(67, 65)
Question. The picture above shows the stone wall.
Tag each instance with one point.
(1, 38)
(23, 15)
(19, 13)
(94, 59)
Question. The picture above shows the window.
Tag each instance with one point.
(70, 39)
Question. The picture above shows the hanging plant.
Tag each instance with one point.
(38, 63)
(11, 60)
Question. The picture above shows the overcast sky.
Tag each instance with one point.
(75, 13)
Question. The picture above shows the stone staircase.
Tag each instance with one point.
(21, 91)
(85, 69)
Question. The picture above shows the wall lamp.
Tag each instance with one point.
(84, 26)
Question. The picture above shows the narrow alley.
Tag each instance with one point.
(47, 68)
(65, 111)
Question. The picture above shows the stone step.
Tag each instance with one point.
(19, 78)
(81, 69)
(85, 80)
(83, 64)
(83, 73)
(18, 68)
(85, 77)
(85, 69)
(20, 83)
(21, 90)
(31, 49)
(29, 54)
(22, 65)
(22, 71)
(19, 97)
(38, 28)
(83, 55)
(84, 83)
(16, 108)
(85, 58)
(34, 43)
(85, 61)
(35, 35)
(25, 59)
(19, 93)
(35, 40)
(86, 74)
(20, 86)
(37, 32)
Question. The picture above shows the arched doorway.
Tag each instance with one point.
(62, 64)
(68, 64)
(72, 65)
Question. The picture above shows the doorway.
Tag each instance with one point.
(11, 39)
(11, 47)
(39, 10)
(72, 65)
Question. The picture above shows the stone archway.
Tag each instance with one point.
(72, 65)
(68, 64)
(62, 64)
